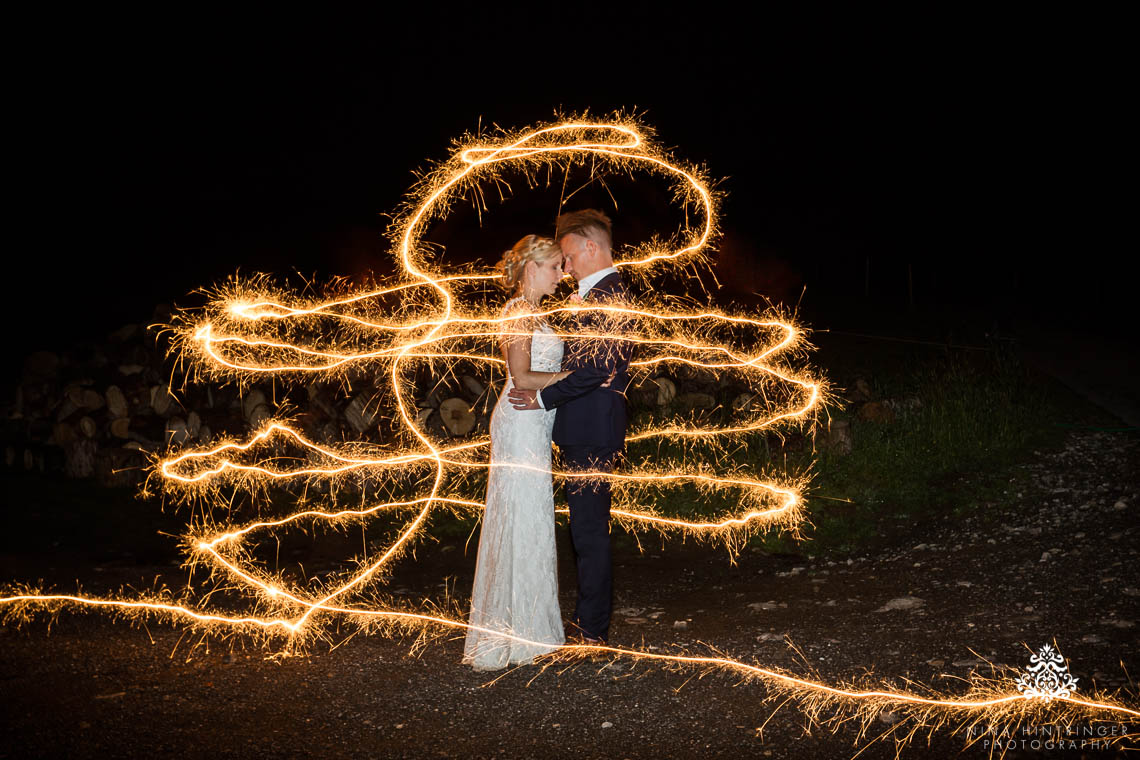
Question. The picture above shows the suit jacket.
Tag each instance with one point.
(588, 414)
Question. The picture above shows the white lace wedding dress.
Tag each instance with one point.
(516, 581)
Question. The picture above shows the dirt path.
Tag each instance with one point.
(1054, 561)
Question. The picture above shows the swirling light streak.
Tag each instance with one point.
(227, 341)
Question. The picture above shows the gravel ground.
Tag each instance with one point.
(1053, 560)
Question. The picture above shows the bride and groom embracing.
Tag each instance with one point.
(571, 393)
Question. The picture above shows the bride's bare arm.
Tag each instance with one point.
(518, 359)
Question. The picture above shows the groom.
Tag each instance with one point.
(589, 426)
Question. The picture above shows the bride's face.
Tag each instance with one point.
(544, 275)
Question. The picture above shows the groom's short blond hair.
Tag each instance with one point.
(588, 223)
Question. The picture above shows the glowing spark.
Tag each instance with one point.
(249, 330)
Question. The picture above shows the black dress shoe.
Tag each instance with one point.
(580, 639)
(575, 635)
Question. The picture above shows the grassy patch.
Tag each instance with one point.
(977, 413)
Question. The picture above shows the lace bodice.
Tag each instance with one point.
(545, 346)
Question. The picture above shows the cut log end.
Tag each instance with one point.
(666, 390)
(121, 427)
(116, 401)
(457, 416)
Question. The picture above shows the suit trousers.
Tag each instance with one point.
(589, 502)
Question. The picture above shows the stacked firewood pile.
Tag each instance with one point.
(98, 410)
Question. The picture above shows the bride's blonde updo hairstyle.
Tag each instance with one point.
(513, 264)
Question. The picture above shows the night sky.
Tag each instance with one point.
(987, 153)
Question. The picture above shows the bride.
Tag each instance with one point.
(516, 583)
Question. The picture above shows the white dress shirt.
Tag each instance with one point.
(588, 282)
(584, 286)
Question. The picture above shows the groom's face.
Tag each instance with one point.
(578, 253)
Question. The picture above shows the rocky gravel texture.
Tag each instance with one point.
(1053, 559)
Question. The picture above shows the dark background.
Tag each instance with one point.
(152, 156)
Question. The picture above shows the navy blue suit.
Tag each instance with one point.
(589, 428)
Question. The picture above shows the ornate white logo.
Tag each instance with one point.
(1047, 676)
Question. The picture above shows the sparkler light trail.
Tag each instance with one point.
(435, 321)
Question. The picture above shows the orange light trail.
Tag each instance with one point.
(251, 330)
